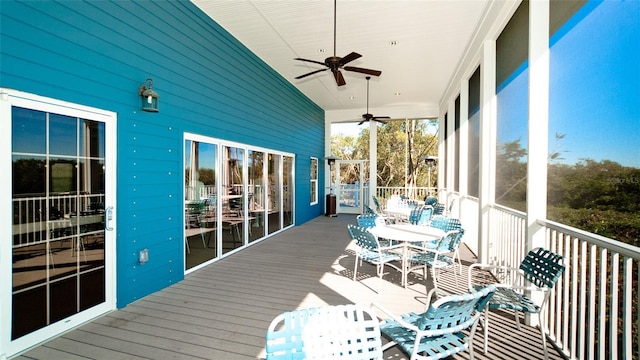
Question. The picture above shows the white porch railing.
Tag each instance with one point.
(594, 311)
(419, 193)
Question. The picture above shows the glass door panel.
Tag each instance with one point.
(234, 202)
(200, 207)
(350, 179)
(274, 194)
(287, 191)
(256, 194)
(59, 266)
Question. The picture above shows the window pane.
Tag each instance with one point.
(28, 131)
(594, 137)
(474, 133)
(512, 84)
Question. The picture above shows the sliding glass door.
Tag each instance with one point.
(60, 255)
(234, 195)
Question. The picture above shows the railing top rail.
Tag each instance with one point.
(513, 212)
(624, 249)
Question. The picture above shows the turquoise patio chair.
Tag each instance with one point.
(541, 269)
(439, 332)
(421, 216)
(435, 255)
(370, 250)
(368, 221)
(438, 209)
(329, 332)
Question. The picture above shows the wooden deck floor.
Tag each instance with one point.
(222, 311)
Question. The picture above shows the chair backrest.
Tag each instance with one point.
(363, 238)
(368, 210)
(454, 313)
(329, 332)
(450, 241)
(445, 223)
(421, 215)
(438, 209)
(368, 221)
(542, 267)
(376, 202)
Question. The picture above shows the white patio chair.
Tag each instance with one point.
(330, 332)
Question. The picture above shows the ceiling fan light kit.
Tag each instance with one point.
(335, 63)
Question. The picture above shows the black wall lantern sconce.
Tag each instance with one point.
(148, 96)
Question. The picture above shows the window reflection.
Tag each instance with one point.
(200, 236)
(274, 193)
(234, 195)
(58, 196)
(287, 191)
(233, 201)
(256, 195)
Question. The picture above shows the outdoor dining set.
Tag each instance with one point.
(410, 237)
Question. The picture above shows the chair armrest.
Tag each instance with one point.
(431, 296)
(394, 317)
(391, 247)
(506, 269)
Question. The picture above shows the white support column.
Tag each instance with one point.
(538, 126)
(488, 133)
(451, 147)
(538, 119)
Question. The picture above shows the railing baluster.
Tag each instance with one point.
(613, 306)
(602, 306)
(579, 352)
(593, 264)
(627, 303)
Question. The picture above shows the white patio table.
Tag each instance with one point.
(400, 213)
(407, 234)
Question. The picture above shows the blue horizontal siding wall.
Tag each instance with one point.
(97, 53)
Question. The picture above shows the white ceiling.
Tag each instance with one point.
(432, 37)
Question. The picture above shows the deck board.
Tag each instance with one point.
(222, 310)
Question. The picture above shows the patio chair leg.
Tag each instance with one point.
(433, 275)
(544, 338)
(486, 330)
(517, 318)
(355, 269)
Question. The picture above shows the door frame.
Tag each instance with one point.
(8, 99)
(350, 210)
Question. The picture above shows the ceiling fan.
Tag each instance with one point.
(367, 116)
(335, 63)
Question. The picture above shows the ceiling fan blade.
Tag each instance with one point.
(380, 121)
(311, 61)
(380, 117)
(311, 73)
(349, 58)
(361, 122)
(364, 71)
(339, 78)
